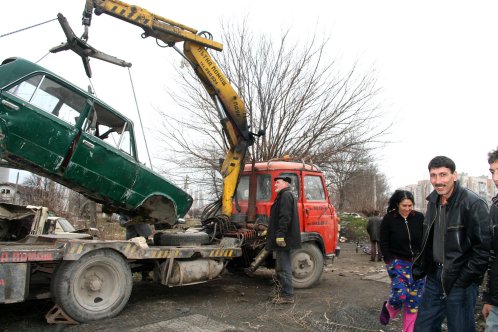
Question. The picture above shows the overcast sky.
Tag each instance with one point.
(436, 62)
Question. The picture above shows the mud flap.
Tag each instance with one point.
(14, 282)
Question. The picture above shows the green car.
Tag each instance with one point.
(52, 128)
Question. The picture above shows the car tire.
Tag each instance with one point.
(181, 238)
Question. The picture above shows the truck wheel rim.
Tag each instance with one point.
(95, 287)
(303, 265)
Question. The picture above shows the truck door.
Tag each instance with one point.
(318, 214)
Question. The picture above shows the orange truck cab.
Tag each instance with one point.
(317, 216)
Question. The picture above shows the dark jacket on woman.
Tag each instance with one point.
(399, 237)
(466, 240)
(490, 294)
(284, 222)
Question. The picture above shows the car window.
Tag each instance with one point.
(313, 188)
(51, 97)
(109, 127)
(263, 187)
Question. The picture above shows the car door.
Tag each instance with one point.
(104, 159)
(40, 115)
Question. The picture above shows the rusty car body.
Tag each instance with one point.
(52, 128)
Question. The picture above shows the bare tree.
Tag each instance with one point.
(366, 190)
(45, 192)
(292, 90)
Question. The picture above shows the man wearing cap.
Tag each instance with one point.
(283, 236)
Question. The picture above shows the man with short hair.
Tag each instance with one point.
(373, 230)
(455, 251)
(490, 294)
(283, 235)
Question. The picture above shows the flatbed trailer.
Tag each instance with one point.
(92, 279)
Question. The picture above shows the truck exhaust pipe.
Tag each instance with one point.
(256, 262)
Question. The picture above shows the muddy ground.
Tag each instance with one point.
(347, 298)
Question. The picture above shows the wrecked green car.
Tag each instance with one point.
(52, 128)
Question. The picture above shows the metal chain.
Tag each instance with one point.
(10, 33)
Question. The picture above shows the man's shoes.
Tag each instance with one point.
(283, 300)
(372, 259)
(379, 260)
(384, 314)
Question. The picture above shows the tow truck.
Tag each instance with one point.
(92, 279)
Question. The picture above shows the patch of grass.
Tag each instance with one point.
(354, 228)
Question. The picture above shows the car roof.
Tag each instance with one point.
(23, 67)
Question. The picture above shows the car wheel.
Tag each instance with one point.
(181, 238)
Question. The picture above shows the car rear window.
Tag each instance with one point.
(51, 97)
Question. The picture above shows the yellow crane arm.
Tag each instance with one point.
(230, 106)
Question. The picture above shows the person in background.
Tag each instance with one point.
(283, 235)
(400, 240)
(490, 293)
(373, 230)
(455, 251)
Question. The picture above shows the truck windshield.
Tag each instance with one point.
(263, 184)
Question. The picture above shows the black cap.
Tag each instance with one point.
(284, 178)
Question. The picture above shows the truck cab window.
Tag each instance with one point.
(51, 97)
(294, 184)
(313, 188)
(263, 187)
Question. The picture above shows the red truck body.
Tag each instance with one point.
(317, 216)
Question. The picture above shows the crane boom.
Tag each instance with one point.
(230, 106)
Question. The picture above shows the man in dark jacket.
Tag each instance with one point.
(455, 251)
(490, 294)
(283, 235)
(373, 230)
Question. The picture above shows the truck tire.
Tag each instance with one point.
(307, 265)
(97, 286)
(181, 238)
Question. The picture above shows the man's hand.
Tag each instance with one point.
(486, 309)
(280, 241)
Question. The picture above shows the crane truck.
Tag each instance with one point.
(91, 279)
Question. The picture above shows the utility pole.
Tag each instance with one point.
(374, 191)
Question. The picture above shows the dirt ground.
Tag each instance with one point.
(347, 298)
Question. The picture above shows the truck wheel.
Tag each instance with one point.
(96, 286)
(181, 238)
(307, 265)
